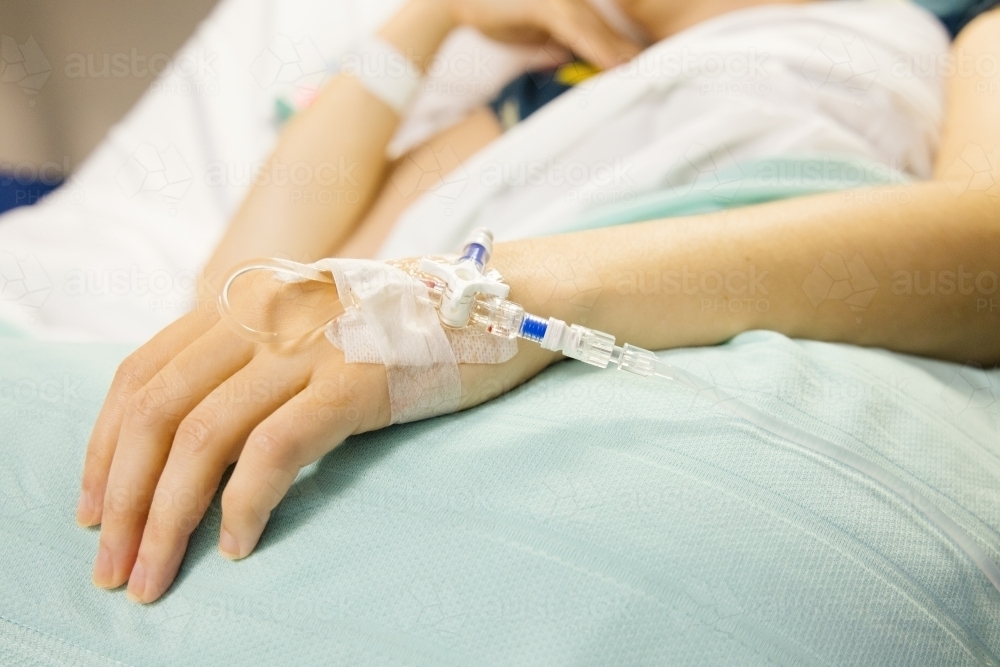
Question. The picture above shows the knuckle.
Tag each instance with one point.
(133, 372)
(195, 433)
(143, 410)
(268, 447)
(159, 529)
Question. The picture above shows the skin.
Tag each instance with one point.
(197, 398)
(365, 126)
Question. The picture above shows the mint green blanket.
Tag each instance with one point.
(586, 518)
(745, 184)
(589, 517)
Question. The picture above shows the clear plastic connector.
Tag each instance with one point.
(589, 346)
(638, 361)
(498, 316)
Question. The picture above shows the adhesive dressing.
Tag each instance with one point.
(387, 315)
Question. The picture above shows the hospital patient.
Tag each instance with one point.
(170, 426)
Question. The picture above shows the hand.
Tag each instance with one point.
(574, 24)
(198, 398)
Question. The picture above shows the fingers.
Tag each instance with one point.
(138, 369)
(577, 25)
(308, 426)
(206, 442)
(148, 425)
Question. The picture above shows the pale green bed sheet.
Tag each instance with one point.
(587, 518)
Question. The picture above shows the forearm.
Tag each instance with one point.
(328, 165)
(917, 279)
(912, 268)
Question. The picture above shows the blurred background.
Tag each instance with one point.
(69, 70)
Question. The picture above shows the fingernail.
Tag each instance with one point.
(228, 545)
(137, 583)
(86, 510)
(104, 568)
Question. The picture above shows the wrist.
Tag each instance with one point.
(541, 282)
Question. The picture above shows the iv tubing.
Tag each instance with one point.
(295, 272)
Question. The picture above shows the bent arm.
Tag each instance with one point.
(910, 268)
(340, 139)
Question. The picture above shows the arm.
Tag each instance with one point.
(931, 257)
(932, 250)
(343, 135)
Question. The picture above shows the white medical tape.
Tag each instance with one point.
(384, 72)
(389, 320)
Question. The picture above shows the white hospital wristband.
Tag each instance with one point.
(384, 72)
